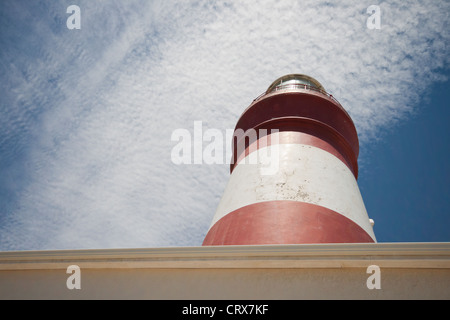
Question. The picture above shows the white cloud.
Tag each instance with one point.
(98, 170)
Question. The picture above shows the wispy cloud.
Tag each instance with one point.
(87, 115)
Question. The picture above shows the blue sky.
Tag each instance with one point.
(406, 183)
(86, 115)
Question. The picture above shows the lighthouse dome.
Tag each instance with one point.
(292, 81)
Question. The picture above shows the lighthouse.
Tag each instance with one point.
(310, 194)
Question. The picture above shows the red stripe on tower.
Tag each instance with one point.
(310, 194)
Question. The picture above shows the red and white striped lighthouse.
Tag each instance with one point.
(311, 194)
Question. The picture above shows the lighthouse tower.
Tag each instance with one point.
(293, 173)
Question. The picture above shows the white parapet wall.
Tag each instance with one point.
(313, 271)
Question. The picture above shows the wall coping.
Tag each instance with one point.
(435, 255)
